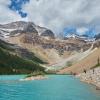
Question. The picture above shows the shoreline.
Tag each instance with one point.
(39, 77)
(91, 77)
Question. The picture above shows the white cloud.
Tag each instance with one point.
(82, 30)
(57, 14)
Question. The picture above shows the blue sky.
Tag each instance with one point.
(16, 5)
(56, 15)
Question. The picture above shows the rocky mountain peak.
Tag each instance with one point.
(30, 28)
(18, 27)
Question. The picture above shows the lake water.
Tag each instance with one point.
(56, 87)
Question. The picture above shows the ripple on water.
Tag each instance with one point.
(57, 87)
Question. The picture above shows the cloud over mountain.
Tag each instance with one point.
(55, 14)
(58, 14)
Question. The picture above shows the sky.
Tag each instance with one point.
(82, 16)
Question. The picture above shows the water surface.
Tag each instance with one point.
(57, 87)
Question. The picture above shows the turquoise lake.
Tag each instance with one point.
(56, 87)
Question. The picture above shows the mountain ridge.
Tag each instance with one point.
(24, 27)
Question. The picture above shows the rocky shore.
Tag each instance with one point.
(91, 77)
(39, 77)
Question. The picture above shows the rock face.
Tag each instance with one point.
(30, 29)
(60, 46)
(48, 33)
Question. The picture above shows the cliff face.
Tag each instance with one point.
(48, 33)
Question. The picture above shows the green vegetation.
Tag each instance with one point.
(13, 64)
(6, 46)
(69, 63)
(35, 58)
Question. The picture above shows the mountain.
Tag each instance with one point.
(16, 28)
(39, 44)
(81, 37)
(71, 35)
(87, 32)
